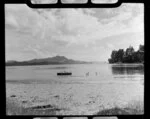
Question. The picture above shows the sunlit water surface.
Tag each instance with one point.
(105, 86)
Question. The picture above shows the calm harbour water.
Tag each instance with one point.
(97, 73)
(106, 86)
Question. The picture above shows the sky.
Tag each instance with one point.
(88, 34)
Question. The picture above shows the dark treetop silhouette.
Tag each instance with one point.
(128, 56)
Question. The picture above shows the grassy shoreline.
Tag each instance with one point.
(134, 107)
(14, 108)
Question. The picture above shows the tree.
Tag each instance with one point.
(129, 51)
(141, 48)
(114, 56)
(128, 56)
(141, 53)
(120, 54)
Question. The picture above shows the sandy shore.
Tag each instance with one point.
(78, 98)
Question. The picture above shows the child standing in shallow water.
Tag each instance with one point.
(96, 73)
(87, 74)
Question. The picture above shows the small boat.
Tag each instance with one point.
(64, 73)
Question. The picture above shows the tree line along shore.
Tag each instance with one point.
(127, 56)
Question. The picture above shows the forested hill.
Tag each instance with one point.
(45, 61)
(127, 56)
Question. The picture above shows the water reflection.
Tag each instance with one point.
(51, 68)
(127, 69)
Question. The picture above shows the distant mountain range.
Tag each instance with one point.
(46, 61)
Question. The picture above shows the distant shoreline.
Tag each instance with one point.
(9, 65)
(57, 60)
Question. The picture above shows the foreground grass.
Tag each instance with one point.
(13, 108)
(132, 108)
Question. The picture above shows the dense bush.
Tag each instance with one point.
(128, 56)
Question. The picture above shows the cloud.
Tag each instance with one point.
(69, 22)
(51, 31)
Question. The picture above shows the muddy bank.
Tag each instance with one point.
(75, 99)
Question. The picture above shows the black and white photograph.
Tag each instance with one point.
(74, 61)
